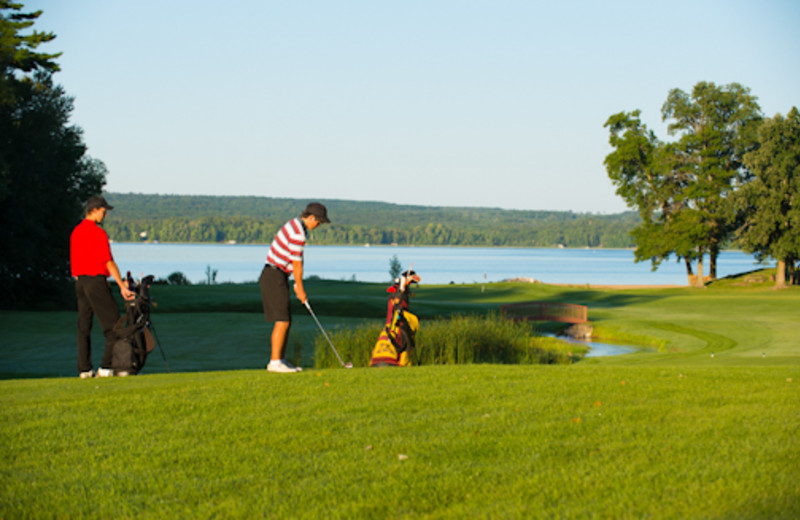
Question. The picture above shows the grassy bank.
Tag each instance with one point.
(431, 442)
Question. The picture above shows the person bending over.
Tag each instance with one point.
(285, 260)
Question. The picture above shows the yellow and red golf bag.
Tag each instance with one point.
(397, 337)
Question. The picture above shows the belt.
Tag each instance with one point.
(272, 266)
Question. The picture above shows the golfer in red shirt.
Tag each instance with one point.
(91, 264)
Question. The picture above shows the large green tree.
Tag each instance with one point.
(682, 189)
(45, 173)
(18, 51)
(641, 167)
(771, 202)
(716, 126)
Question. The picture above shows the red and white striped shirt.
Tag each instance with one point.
(287, 247)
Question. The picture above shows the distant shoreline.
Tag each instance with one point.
(389, 246)
(620, 287)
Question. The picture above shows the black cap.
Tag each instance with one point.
(318, 210)
(96, 201)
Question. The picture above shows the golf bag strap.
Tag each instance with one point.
(126, 326)
(393, 338)
(397, 319)
(122, 329)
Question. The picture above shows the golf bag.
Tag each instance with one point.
(134, 338)
(397, 338)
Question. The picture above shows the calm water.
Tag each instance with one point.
(436, 265)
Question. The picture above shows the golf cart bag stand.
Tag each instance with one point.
(397, 337)
(134, 338)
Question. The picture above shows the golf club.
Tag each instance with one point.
(144, 286)
(345, 365)
(160, 348)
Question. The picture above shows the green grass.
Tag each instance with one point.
(701, 422)
(479, 441)
(43, 344)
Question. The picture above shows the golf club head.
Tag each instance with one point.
(348, 365)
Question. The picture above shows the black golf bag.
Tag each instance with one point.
(134, 338)
(397, 337)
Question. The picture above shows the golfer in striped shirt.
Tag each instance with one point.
(285, 259)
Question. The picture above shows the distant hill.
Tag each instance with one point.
(200, 218)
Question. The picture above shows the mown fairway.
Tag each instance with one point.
(669, 432)
(221, 327)
(476, 441)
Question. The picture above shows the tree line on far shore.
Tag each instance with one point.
(188, 218)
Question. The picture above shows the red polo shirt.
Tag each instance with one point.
(89, 250)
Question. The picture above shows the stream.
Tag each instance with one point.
(597, 349)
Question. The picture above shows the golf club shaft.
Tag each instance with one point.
(153, 330)
(308, 306)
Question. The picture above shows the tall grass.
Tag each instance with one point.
(456, 340)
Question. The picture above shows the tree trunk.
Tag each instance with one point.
(699, 282)
(689, 273)
(780, 275)
(713, 253)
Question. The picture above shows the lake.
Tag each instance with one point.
(436, 265)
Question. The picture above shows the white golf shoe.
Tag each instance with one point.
(105, 372)
(281, 366)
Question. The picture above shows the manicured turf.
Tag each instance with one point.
(429, 442)
(701, 422)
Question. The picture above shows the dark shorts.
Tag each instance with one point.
(274, 285)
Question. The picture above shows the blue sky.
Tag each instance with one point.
(438, 103)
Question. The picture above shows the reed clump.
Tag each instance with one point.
(455, 340)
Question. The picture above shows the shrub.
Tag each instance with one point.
(178, 278)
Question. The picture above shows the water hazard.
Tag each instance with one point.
(436, 265)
